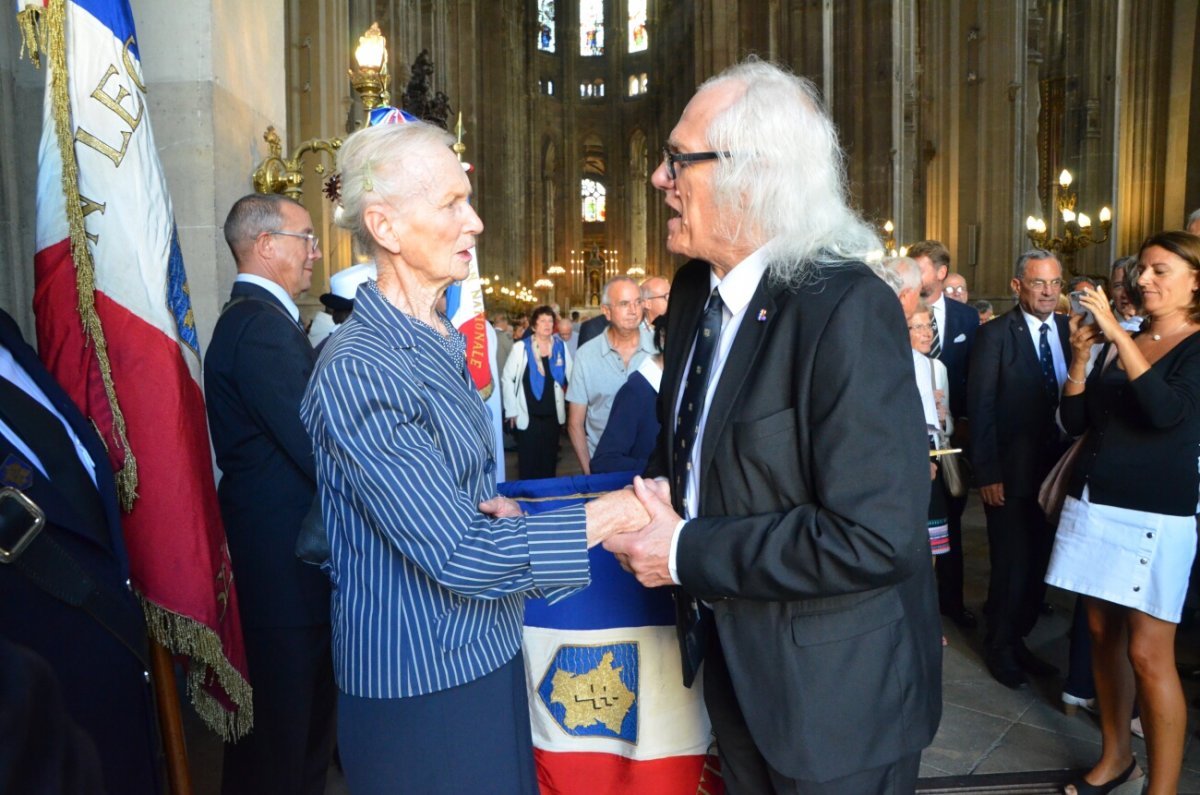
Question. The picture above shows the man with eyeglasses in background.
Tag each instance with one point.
(255, 373)
(656, 297)
(955, 288)
(603, 364)
(1018, 369)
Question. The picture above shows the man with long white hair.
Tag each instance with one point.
(792, 506)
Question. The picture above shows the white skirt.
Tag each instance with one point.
(1131, 558)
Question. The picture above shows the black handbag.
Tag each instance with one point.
(312, 544)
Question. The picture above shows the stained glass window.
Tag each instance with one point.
(593, 195)
(591, 27)
(545, 26)
(639, 40)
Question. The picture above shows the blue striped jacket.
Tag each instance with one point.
(428, 593)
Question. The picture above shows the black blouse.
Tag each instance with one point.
(1143, 442)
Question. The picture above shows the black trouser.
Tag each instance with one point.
(291, 745)
(1019, 544)
(746, 772)
(950, 565)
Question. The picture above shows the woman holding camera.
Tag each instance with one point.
(1127, 535)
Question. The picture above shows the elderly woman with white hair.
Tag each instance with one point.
(430, 567)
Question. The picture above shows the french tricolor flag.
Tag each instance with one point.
(609, 711)
(115, 327)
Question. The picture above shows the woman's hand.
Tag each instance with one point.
(939, 400)
(1083, 337)
(501, 508)
(1105, 320)
(932, 470)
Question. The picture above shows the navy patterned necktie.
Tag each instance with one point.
(935, 350)
(691, 407)
(1049, 379)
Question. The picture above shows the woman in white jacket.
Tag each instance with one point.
(534, 396)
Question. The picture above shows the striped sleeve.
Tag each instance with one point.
(393, 463)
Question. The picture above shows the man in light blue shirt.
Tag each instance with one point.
(603, 364)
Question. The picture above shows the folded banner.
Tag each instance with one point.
(115, 327)
(608, 707)
(464, 307)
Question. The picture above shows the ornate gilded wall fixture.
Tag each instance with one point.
(1077, 230)
(279, 174)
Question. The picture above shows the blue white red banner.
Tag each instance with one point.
(115, 327)
(607, 703)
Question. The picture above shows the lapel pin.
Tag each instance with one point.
(762, 316)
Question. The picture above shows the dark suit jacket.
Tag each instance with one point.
(589, 329)
(1014, 438)
(961, 321)
(255, 373)
(102, 682)
(811, 543)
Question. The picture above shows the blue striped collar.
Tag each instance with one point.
(395, 327)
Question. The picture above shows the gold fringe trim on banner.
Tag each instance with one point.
(183, 635)
(33, 39)
(85, 272)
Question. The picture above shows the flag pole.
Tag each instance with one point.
(170, 719)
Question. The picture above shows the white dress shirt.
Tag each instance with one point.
(1056, 351)
(938, 308)
(275, 290)
(736, 290)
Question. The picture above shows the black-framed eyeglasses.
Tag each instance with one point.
(664, 296)
(314, 242)
(671, 158)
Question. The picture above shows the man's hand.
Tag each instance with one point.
(992, 494)
(646, 552)
(501, 508)
(615, 512)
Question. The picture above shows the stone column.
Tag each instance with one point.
(214, 71)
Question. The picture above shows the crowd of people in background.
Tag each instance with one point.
(805, 439)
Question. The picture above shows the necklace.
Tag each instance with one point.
(1157, 337)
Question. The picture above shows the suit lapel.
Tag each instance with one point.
(687, 305)
(25, 356)
(756, 322)
(1024, 342)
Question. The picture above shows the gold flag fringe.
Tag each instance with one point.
(180, 634)
(85, 273)
(187, 636)
(33, 39)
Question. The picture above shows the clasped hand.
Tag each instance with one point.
(635, 524)
(645, 552)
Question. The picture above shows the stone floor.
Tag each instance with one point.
(989, 733)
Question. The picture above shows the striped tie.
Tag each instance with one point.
(935, 350)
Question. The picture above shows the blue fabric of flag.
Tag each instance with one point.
(116, 16)
(615, 598)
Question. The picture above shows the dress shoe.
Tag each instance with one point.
(1004, 669)
(961, 616)
(1031, 663)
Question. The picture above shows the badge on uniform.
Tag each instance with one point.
(16, 473)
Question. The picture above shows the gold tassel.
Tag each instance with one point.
(183, 635)
(85, 273)
(33, 35)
